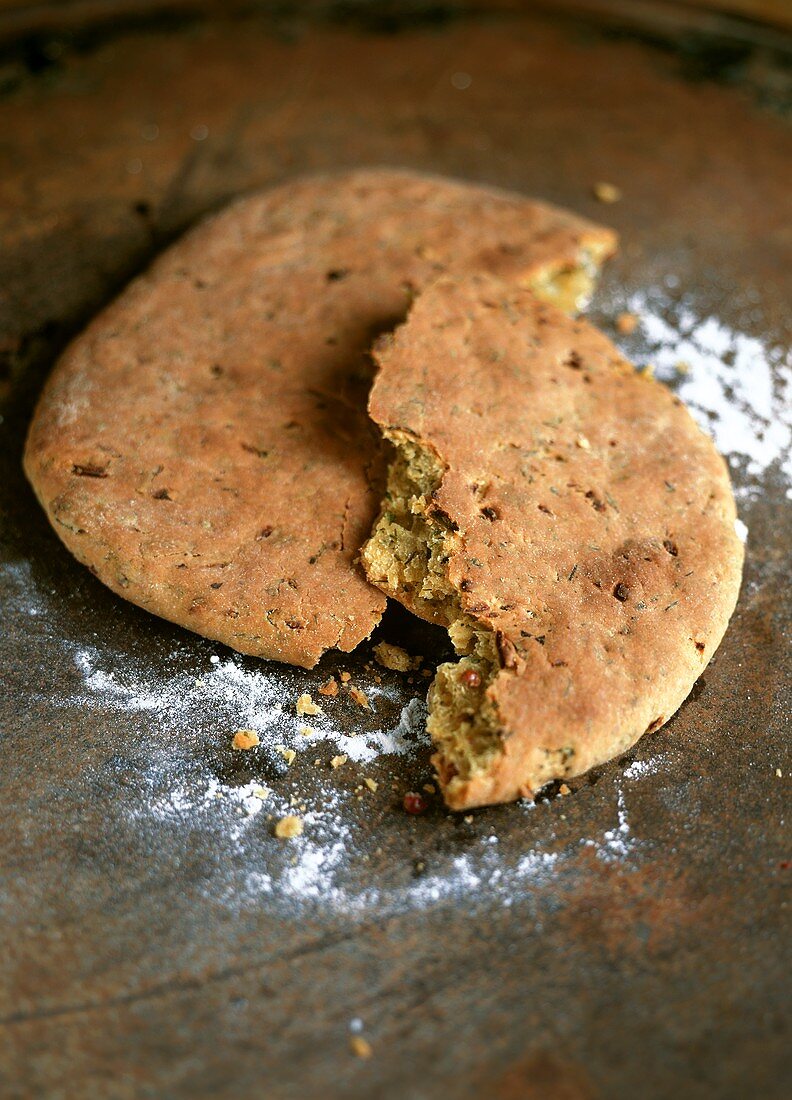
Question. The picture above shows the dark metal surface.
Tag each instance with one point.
(156, 939)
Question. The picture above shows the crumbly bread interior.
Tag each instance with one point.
(570, 287)
(407, 556)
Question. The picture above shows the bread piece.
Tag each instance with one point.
(203, 447)
(565, 519)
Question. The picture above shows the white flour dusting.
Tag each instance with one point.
(617, 843)
(319, 868)
(738, 388)
(259, 700)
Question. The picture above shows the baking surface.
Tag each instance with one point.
(158, 940)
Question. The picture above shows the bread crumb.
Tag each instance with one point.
(607, 192)
(395, 658)
(359, 697)
(289, 827)
(345, 677)
(306, 705)
(287, 754)
(648, 371)
(306, 731)
(245, 739)
(564, 789)
(329, 688)
(429, 788)
(337, 761)
(626, 323)
(681, 367)
(261, 792)
(779, 773)
(468, 819)
(360, 1047)
(372, 784)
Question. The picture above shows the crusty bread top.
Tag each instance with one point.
(594, 519)
(204, 447)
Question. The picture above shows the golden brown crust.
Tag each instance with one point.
(595, 524)
(203, 446)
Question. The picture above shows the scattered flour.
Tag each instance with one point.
(322, 868)
(641, 769)
(617, 843)
(739, 389)
(236, 697)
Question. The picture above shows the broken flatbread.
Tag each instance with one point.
(563, 517)
(203, 447)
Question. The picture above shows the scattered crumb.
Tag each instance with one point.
(627, 323)
(583, 443)
(306, 705)
(287, 754)
(337, 761)
(289, 827)
(395, 658)
(607, 192)
(427, 672)
(429, 788)
(372, 784)
(648, 371)
(681, 367)
(345, 677)
(317, 762)
(245, 739)
(261, 792)
(330, 688)
(468, 819)
(360, 1047)
(420, 865)
(779, 773)
(564, 789)
(360, 697)
(415, 803)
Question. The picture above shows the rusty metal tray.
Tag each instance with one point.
(156, 939)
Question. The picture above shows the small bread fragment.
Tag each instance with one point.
(289, 827)
(244, 740)
(395, 658)
(203, 447)
(584, 586)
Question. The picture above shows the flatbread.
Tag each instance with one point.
(204, 447)
(564, 517)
